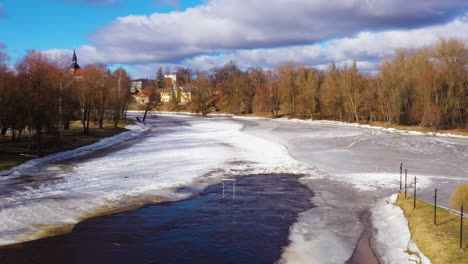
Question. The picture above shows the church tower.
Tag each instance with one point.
(74, 66)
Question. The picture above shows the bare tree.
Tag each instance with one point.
(89, 81)
(201, 94)
(120, 95)
(154, 99)
(451, 60)
(40, 78)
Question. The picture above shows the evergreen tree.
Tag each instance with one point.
(160, 80)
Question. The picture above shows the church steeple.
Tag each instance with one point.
(74, 66)
(74, 59)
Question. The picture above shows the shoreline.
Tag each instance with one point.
(399, 129)
(129, 132)
(49, 231)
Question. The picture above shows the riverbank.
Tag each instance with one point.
(13, 153)
(388, 127)
(439, 243)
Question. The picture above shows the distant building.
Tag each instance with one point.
(142, 97)
(171, 80)
(74, 67)
(76, 70)
(139, 85)
(182, 95)
(186, 95)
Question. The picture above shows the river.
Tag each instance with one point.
(348, 168)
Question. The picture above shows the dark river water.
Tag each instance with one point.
(247, 223)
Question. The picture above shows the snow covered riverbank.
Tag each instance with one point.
(325, 122)
(134, 130)
(393, 238)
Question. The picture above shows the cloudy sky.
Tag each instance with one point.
(145, 34)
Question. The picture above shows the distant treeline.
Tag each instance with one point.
(41, 95)
(426, 87)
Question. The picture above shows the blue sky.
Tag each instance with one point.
(54, 24)
(142, 35)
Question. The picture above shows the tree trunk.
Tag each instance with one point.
(87, 121)
(20, 132)
(13, 134)
(4, 130)
(101, 120)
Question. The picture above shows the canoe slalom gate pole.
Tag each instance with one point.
(401, 174)
(414, 200)
(462, 213)
(461, 228)
(435, 207)
(406, 180)
(233, 187)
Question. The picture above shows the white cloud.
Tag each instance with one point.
(268, 33)
(366, 47)
(225, 25)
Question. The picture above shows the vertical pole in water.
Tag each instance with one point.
(461, 229)
(406, 177)
(223, 189)
(435, 207)
(414, 202)
(234, 190)
(401, 173)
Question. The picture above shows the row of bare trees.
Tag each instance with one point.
(426, 87)
(40, 95)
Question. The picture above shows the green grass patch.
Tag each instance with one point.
(14, 153)
(441, 243)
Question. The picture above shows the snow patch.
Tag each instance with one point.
(393, 238)
(345, 124)
(103, 143)
(312, 241)
(377, 181)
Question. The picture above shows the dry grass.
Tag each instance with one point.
(12, 153)
(460, 197)
(439, 243)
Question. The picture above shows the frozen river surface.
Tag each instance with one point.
(350, 169)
